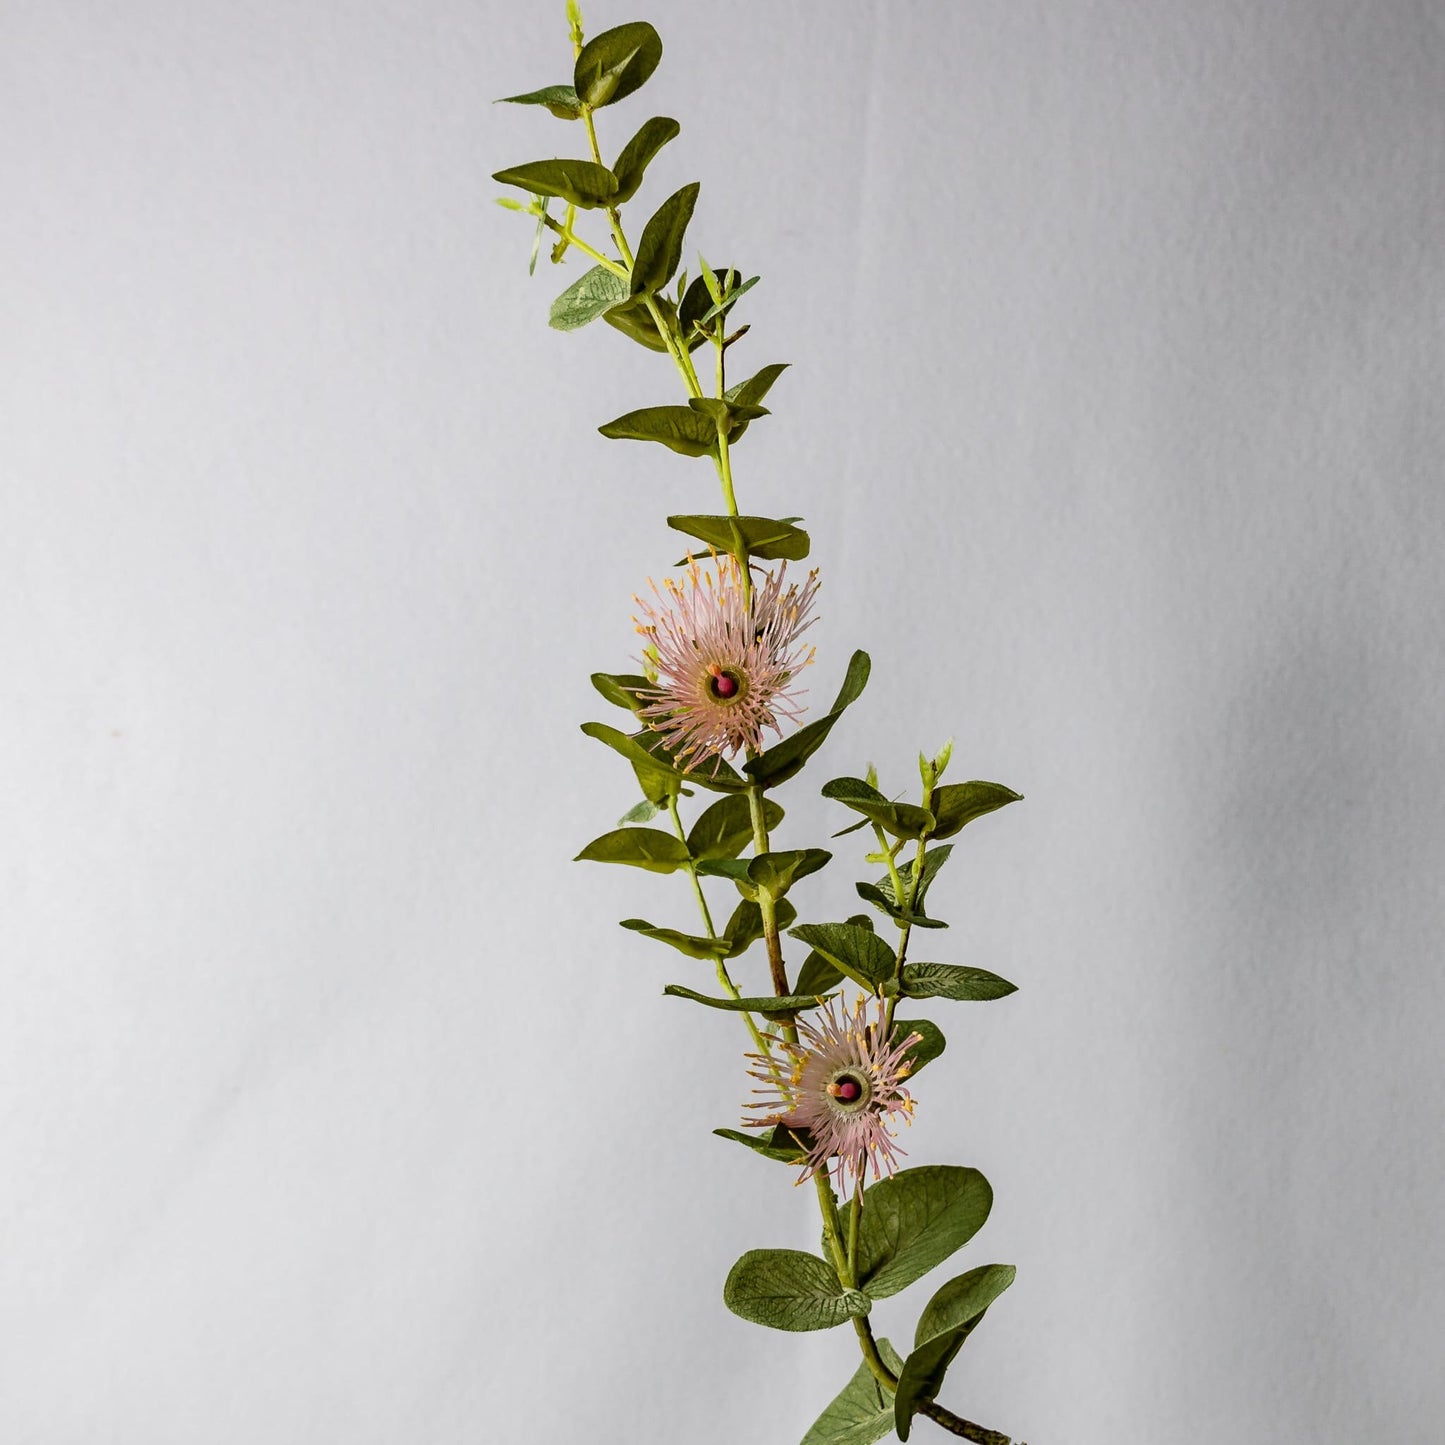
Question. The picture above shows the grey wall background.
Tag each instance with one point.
(333, 1105)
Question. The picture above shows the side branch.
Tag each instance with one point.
(957, 1425)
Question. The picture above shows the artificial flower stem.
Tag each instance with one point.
(766, 903)
(702, 907)
(957, 1425)
(678, 352)
(904, 929)
(855, 1213)
(833, 1229)
(760, 1040)
(889, 856)
(725, 475)
(573, 239)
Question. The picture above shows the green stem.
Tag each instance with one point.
(675, 348)
(573, 239)
(767, 906)
(855, 1213)
(833, 1229)
(723, 976)
(890, 853)
(904, 930)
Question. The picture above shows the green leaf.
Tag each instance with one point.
(862, 1412)
(660, 249)
(697, 300)
(943, 980)
(914, 1221)
(658, 780)
(587, 298)
(726, 828)
(648, 848)
(946, 1322)
(727, 417)
(858, 951)
(633, 319)
(787, 1289)
(583, 183)
(711, 773)
(637, 155)
(787, 758)
(561, 100)
(614, 64)
(625, 689)
(881, 894)
(930, 1044)
(769, 1005)
(678, 427)
(643, 812)
(648, 754)
(724, 303)
(745, 927)
(753, 390)
(818, 975)
(956, 804)
(734, 869)
(775, 873)
(933, 860)
(778, 1143)
(689, 943)
(901, 820)
(756, 387)
(762, 537)
(882, 900)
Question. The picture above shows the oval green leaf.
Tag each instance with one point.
(614, 64)
(857, 951)
(648, 848)
(762, 537)
(915, 1220)
(930, 1042)
(778, 1143)
(637, 154)
(788, 757)
(561, 100)
(691, 944)
(955, 981)
(591, 294)
(660, 250)
(775, 873)
(725, 828)
(583, 183)
(957, 804)
(787, 1289)
(946, 1322)
(862, 1412)
(677, 427)
(769, 1005)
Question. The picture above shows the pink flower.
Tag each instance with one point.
(845, 1088)
(726, 664)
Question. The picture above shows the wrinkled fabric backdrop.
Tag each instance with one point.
(334, 1106)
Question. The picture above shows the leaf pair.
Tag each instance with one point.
(863, 1412)
(744, 929)
(909, 1224)
(609, 67)
(767, 873)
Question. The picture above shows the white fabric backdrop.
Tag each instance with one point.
(333, 1104)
